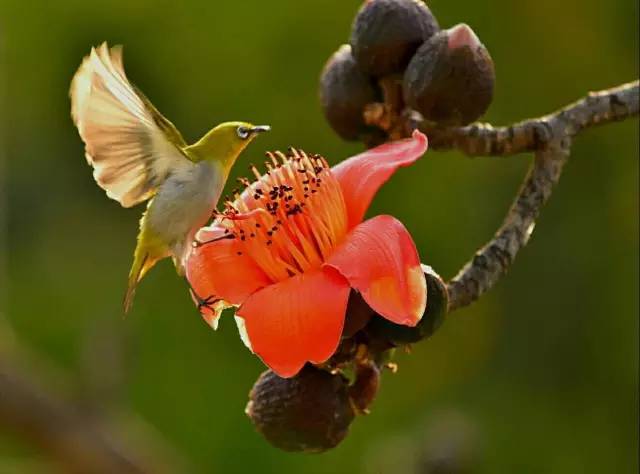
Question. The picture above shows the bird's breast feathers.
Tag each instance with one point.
(184, 203)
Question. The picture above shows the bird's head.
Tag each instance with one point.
(226, 141)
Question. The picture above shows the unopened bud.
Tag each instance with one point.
(386, 33)
(433, 317)
(310, 412)
(344, 92)
(451, 77)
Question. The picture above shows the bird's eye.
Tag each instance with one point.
(243, 132)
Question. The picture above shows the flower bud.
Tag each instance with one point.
(344, 92)
(450, 79)
(437, 302)
(310, 412)
(386, 33)
(358, 315)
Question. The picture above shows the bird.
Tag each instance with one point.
(138, 155)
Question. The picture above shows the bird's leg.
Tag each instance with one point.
(207, 302)
(233, 214)
(241, 216)
(197, 243)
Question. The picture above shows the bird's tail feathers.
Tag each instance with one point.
(142, 263)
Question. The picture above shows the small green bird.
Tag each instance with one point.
(138, 155)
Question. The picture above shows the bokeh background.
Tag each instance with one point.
(541, 375)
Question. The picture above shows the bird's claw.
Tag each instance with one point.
(207, 302)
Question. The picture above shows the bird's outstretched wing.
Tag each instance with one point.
(130, 145)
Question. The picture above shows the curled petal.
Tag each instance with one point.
(219, 270)
(297, 320)
(362, 175)
(380, 260)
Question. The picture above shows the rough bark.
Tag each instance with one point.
(550, 137)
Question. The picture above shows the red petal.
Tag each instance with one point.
(362, 175)
(380, 260)
(216, 269)
(297, 320)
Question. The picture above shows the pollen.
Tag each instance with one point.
(289, 219)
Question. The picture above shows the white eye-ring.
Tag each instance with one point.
(243, 132)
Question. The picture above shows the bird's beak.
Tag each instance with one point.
(259, 129)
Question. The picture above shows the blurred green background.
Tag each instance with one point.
(541, 375)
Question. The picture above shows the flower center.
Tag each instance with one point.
(291, 218)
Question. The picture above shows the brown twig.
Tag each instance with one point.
(550, 137)
(482, 139)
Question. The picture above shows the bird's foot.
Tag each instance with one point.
(207, 302)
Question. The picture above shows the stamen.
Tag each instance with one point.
(289, 220)
(273, 158)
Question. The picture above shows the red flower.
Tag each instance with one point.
(289, 259)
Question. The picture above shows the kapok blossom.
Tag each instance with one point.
(289, 249)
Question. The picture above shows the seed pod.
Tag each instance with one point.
(344, 92)
(310, 412)
(381, 329)
(450, 79)
(386, 33)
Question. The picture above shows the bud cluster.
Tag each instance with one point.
(447, 76)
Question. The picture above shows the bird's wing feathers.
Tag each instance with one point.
(130, 145)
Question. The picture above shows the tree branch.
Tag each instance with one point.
(550, 137)
(482, 139)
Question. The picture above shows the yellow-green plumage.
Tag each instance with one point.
(137, 155)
